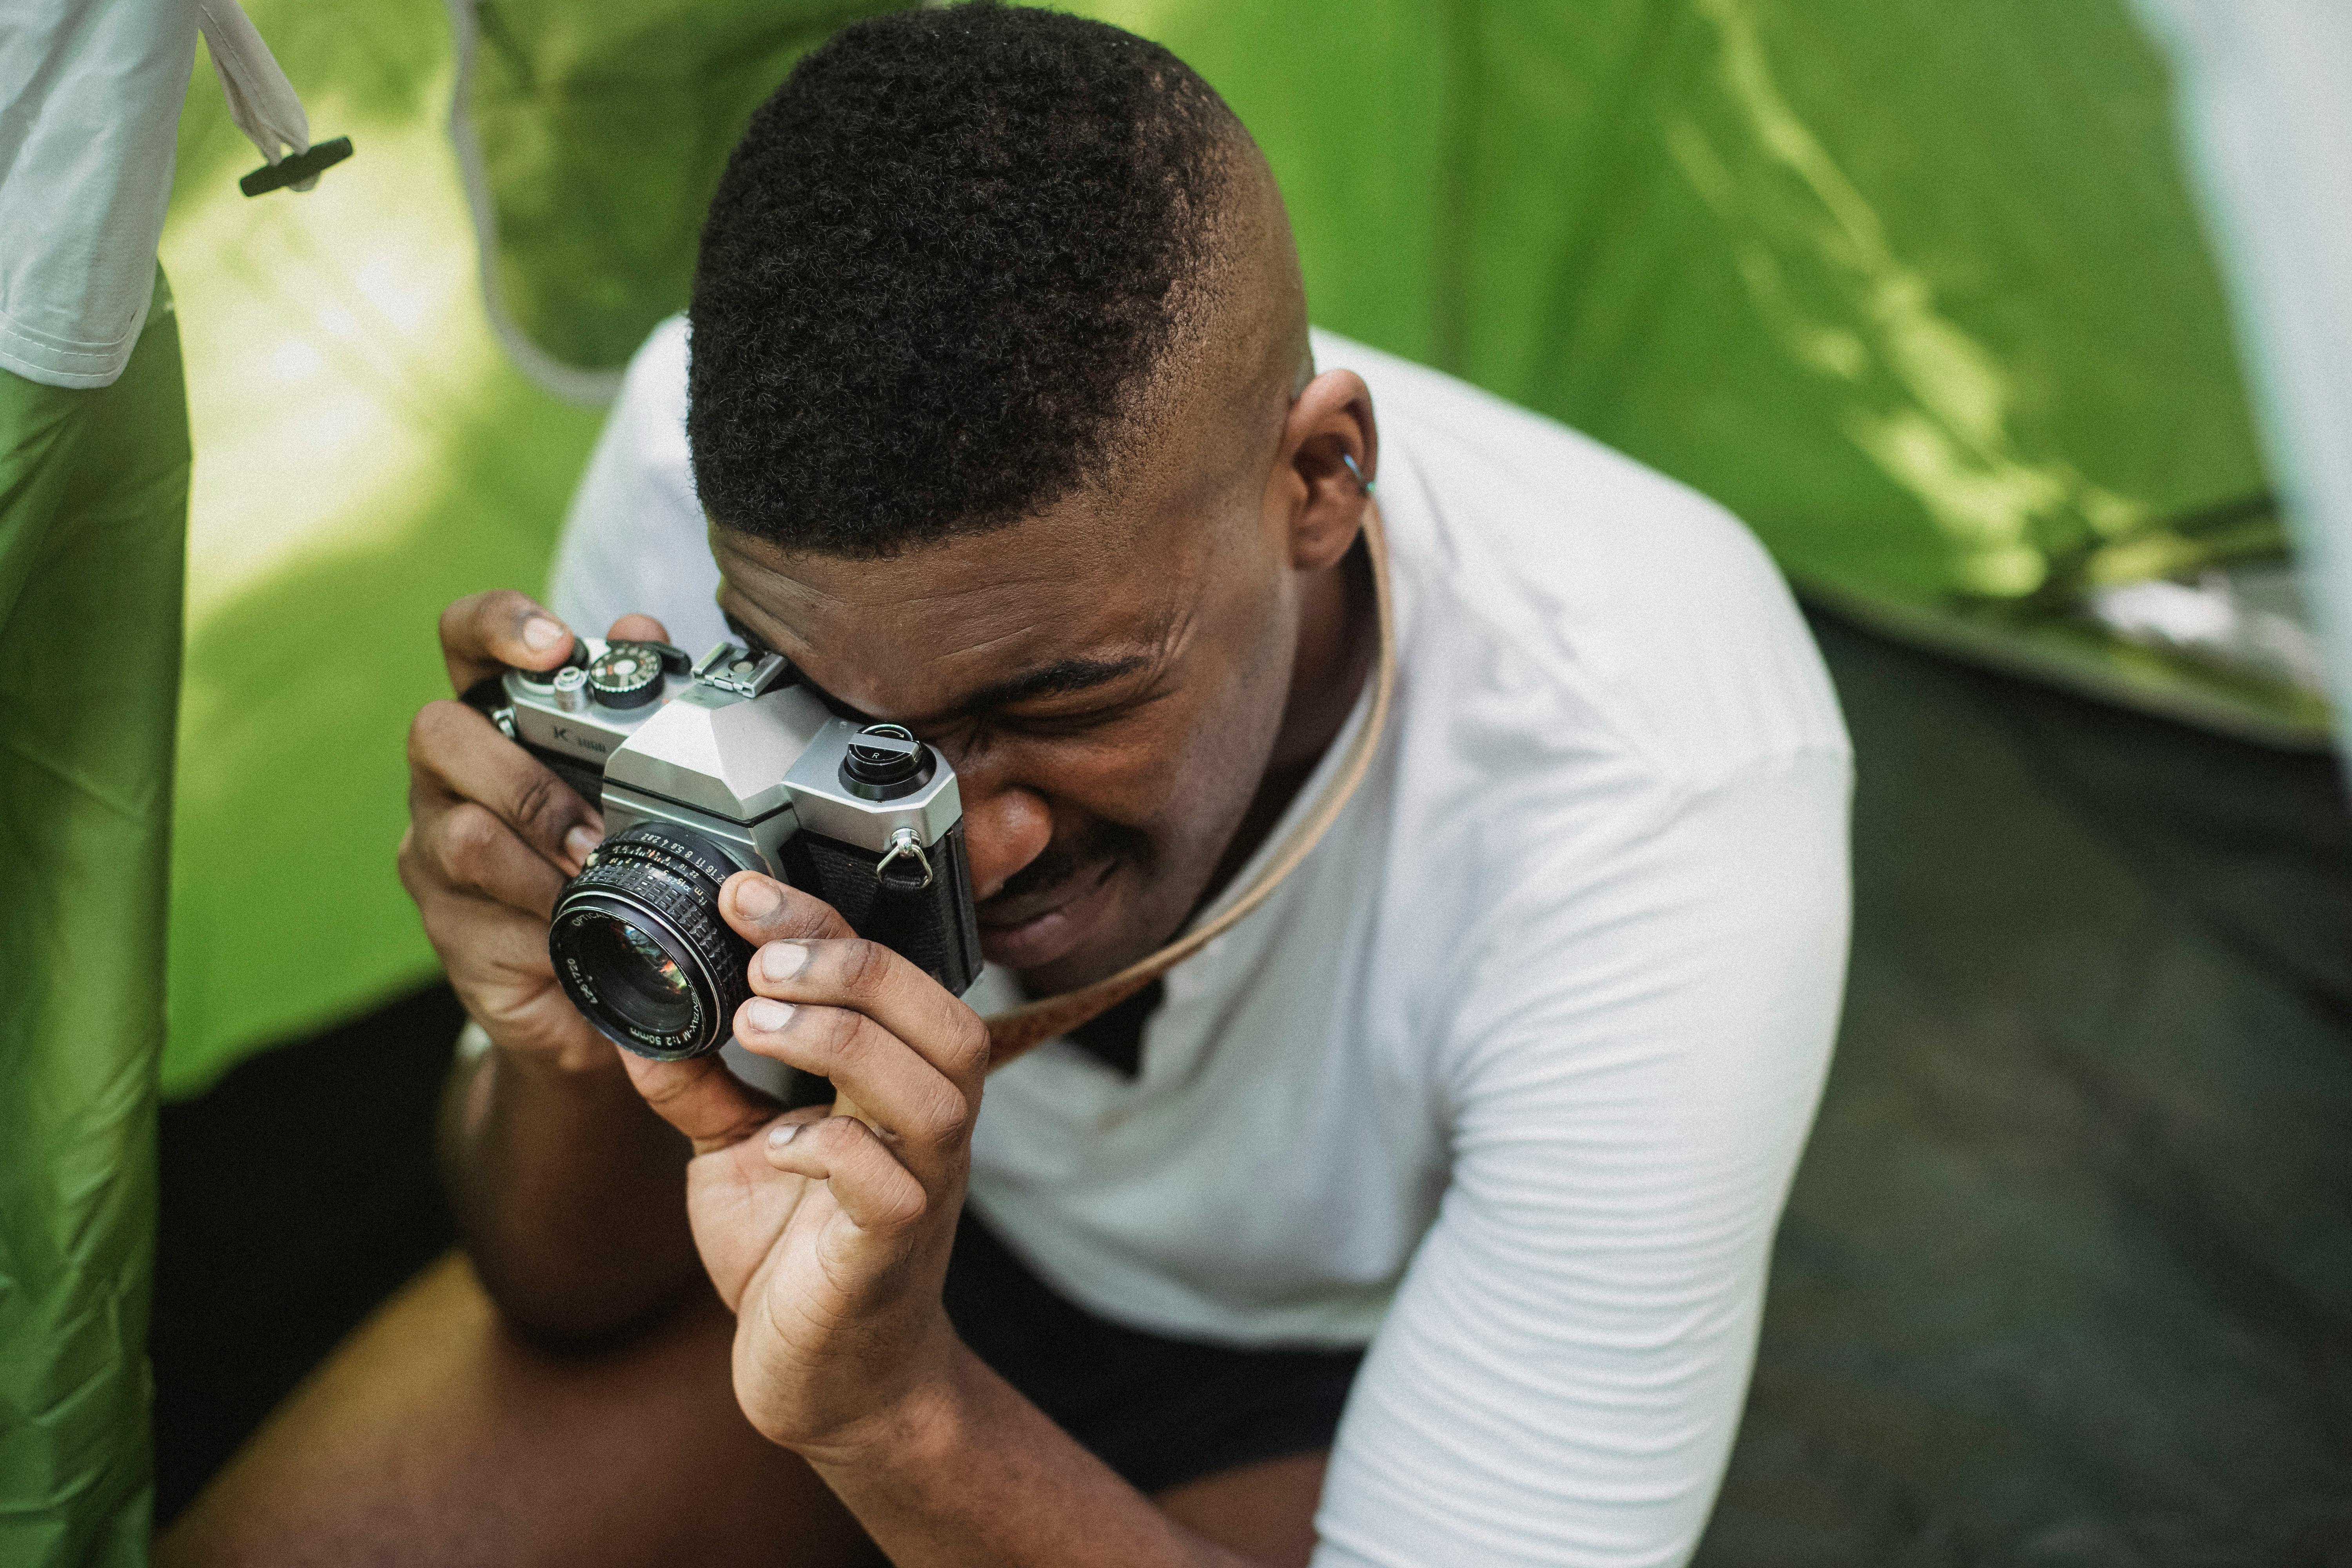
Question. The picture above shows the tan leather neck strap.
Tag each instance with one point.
(1020, 1029)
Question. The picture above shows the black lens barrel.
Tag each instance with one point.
(661, 882)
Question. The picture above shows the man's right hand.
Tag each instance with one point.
(568, 1191)
(493, 835)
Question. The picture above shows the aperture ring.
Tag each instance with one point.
(666, 880)
(689, 910)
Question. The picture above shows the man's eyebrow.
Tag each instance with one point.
(1059, 679)
(1055, 680)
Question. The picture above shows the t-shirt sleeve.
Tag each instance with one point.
(1629, 1078)
(634, 540)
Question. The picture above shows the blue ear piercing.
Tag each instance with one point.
(1362, 483)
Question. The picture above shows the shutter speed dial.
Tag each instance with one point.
(627, 674)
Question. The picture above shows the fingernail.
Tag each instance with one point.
(767, 1018)
(781, 1135)
(757, 899)
(540, 634)
(782, 960)
(582, 841)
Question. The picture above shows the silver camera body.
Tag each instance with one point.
(701, 772)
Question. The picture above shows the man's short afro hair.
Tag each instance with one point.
(938, 272)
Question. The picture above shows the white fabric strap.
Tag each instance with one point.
(260, 100)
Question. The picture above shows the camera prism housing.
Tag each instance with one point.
(722, 766)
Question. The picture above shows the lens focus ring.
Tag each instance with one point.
(658, 885)
(691, 909)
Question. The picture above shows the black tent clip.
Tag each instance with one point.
(293, 170)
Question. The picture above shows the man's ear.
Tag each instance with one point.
(1329, 427)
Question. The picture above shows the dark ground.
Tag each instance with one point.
(2066, 1278)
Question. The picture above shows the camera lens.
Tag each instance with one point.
(640, 948)
(645, 987)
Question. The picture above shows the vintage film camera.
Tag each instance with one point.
(706, 770)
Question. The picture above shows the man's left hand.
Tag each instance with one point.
(827, 1236)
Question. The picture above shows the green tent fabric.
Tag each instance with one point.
(2043, 1005)
(2082, 1112)
(365, 454)
(592, 138)
(93, 513)
(1914, 289)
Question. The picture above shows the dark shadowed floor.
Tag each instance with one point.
(2066, 1277)
(298, 1192)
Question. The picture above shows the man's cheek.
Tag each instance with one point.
(1130, 780)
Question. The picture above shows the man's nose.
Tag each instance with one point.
(1004, 830)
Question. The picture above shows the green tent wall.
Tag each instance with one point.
(2060, 1275)
(1913, 288)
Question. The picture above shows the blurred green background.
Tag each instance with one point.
(363, 455)
(1914, 287)
(1910, 284)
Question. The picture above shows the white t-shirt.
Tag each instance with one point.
(1509, 1076)
(92, 94)
(89, 112)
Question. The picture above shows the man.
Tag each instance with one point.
(1003, 409)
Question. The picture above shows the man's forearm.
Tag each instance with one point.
(973, 1475)
(568, 1193)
